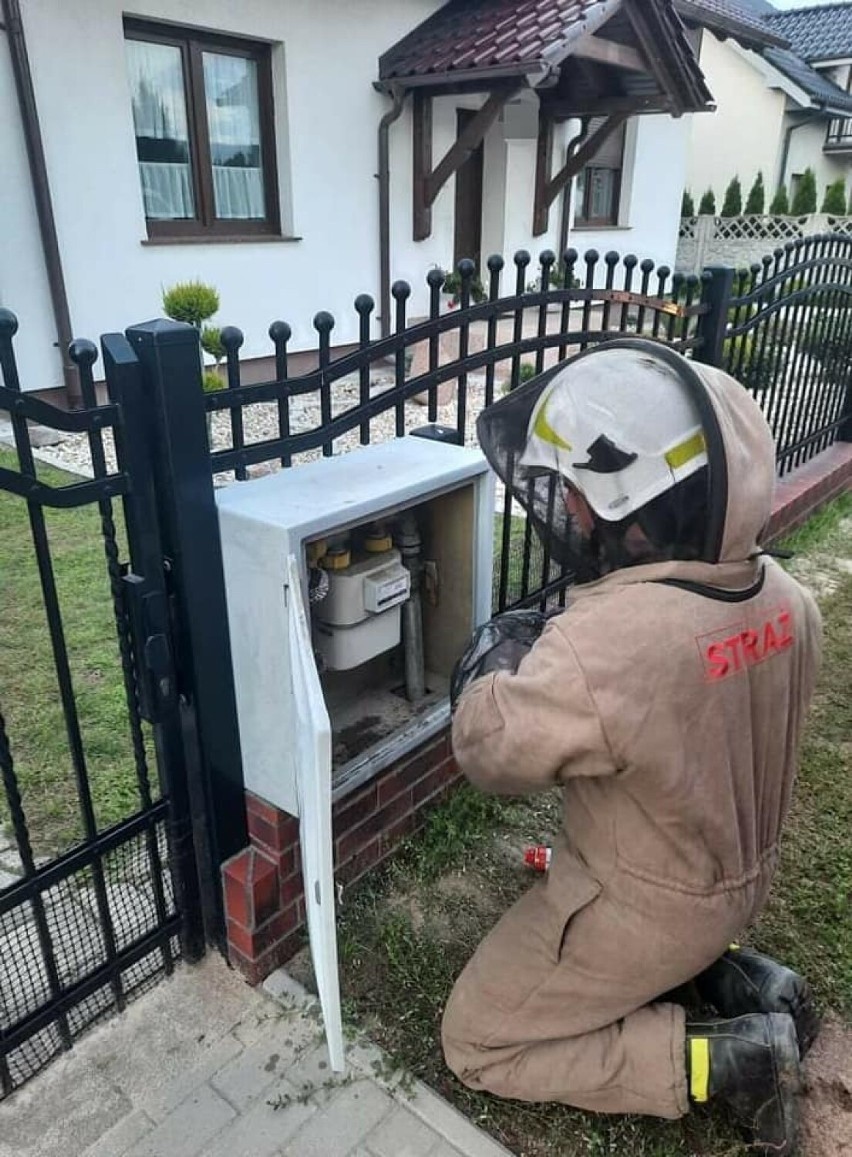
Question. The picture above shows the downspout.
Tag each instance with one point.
(385, 123)
(808, 118)
(41, 192)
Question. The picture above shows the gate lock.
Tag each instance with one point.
(148, 618)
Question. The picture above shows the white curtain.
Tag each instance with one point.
(233, 118)
(162, 134)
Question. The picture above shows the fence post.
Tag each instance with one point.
(169, 356)
(712, 325)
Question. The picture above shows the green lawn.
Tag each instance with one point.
(29, 696)
(407, 932)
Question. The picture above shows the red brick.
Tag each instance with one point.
(388, 786)
(398, 831)
(253, 944)
(275, 835)
(351, 869)
(428, 757)
(349, 842)
(287, 862)
(255, 971)
(264, 888)
(352, 810)
(435, 780)
(235, 873)
(291, 888)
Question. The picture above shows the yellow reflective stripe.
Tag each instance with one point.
(545, 431)
(679, 455)
(733, 947)
(699, 1069)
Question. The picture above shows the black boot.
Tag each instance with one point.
(751, 1063)
(744, 981)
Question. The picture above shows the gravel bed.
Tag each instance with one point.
(260, 423)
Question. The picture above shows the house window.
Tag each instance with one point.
(598, 197)
(202, 114)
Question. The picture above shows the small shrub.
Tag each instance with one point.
(687, 205)
(453, 283)
(212, 381)
(526, 372)
(849, 206)
(756, 201)
(780, 206)
(211, 342)
(190, 301)
(732, 206)
(835, 198)
(708, 204)
(805, 199)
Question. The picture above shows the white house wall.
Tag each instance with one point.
(743, 136)
(327, 114)
(654, 170)
(806, 148)
(23, 280)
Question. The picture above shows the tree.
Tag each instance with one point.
(687, 205)
(733, 203)
(780, 206)
(805, 197)
(835, 198)
(708, 204)
(756, 201)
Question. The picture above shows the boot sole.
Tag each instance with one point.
(793, 997)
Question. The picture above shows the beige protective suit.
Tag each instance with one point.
(670, 716)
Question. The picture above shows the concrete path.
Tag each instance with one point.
(204, 1066)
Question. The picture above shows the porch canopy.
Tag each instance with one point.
(607, 59)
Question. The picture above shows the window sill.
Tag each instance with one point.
(601, 228)
(232, 239)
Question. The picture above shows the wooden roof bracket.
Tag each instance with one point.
(428, 182)
(548, 188)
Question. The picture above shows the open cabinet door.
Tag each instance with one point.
(313, 780)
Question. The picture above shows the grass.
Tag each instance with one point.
(407, 932)
(29, 694)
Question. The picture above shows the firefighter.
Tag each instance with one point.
(667, 703)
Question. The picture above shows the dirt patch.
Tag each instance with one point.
(827, 1104)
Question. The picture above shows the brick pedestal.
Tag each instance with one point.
(804, 490)
(264, 898)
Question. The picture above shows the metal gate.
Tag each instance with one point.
(99, 889)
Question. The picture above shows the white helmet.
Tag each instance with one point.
(620, 426)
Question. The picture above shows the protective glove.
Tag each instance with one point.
(498, 645)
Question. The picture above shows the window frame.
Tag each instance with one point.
(192, 43)
(613, 218)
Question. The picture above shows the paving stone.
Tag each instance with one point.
(340, 1126)
(118, 1140)
(165, 1098)
(186, 1130)
(313, 1075)
(65, 1103)
(450, 1124)
(265, 1128)
(401, 1135)
(133, 911)
(255, 1070)
(7, 879)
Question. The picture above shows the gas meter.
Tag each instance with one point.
(353, 584)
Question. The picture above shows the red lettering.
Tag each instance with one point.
(750, 640)
(770, 640)
(719, 665)
(733, 645)
(787, 638)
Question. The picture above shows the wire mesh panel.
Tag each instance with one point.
(87, 894)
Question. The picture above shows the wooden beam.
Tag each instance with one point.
(548, 188)
(428, 182)
(608, 52)
(652, 52)
(468, 142)
(422, 149)
(563, 108)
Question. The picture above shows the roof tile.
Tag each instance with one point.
(820, 33)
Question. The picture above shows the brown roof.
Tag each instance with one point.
(470, 39)
(475, 34)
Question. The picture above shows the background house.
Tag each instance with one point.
(781, 81)
(241, 144)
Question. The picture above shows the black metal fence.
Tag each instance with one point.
(780, 327)
(98, 887)
(486, 342)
